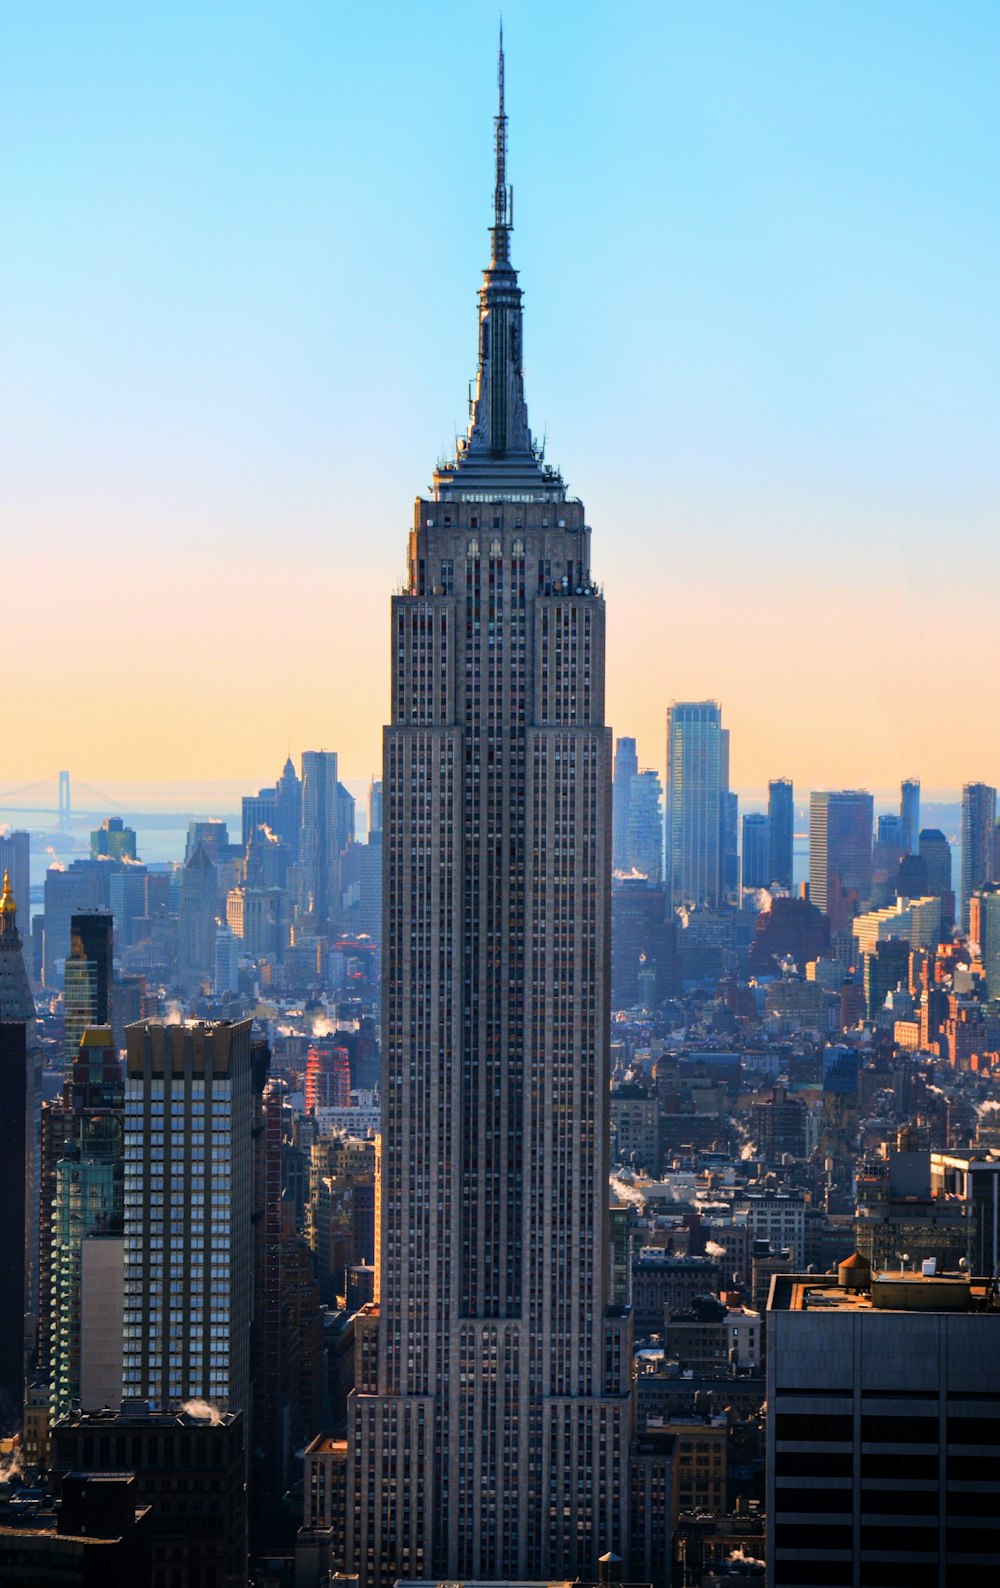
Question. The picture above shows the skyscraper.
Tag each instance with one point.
(881, 1387)
(626, 768)
(979, 809)
(756, 869)
(288, 807)
(697, 782)
(984, 929)
(781, 831)
(375, 809)
(17, 1132)
(66, 893)
(199, 905)
(15, 859)
(840, 852)
(489, 1427)
(645, 825)
(188, 1261)
(327, 828)
(113, 840)
(935, 852)
(909, 814)
(87, 977)
(86, 1230)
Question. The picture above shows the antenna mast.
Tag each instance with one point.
(503, 205)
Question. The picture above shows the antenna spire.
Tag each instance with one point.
(503, 204)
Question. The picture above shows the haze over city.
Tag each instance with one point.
(759, 249)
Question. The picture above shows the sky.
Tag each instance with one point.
(759, 246)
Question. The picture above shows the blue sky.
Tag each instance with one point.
(760, 247)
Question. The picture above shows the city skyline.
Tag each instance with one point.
(197, 397)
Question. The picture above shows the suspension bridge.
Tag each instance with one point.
(64, 798)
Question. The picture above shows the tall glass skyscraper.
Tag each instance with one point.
(909, 814)
(626, 770)
(781, 832)
(979, 814)
(489, 1427)
(697, 785)
(645, 825)
(840, 852)
(756, 869)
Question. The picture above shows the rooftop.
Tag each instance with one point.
(888, 1292)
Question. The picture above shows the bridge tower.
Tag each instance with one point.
(65, 805)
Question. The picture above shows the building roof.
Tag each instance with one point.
(889, 1292)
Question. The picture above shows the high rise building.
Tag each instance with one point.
(375, 809)
(190, 1469)
(288, 808)
(935, 852)
(881, 1402)
(87, 977)
(626, 768)
(15, 859)
(889, 836)
(127, 897)
(909, 814)
(730, 835)
(644, 964)
(781, 831)
(840, 852)
(328, 1075)
(327, 827)
(979, 814)
(17, 1158)
(258, 810)
(113, 840)
(697, 782)
(645, 825)
(66, 894)
(227, 960)
(84, 1301)
(199, 904)
(886, 967)
(212, 835)
(188, 1260)
(489, 1427)
(278, 808)
(984, 929)
(756, 869)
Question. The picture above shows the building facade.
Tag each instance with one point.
(626, 768)
(756, 850)
(881, 1430)
(187, 1214)
(697, 783)
(87, 976)
(840, 852)
(979, 810)
(490, 1424)
(87, 1203)
(909, 814)
(645, 825)
(17, 1158)
(781, 831)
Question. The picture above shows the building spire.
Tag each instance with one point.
(503, 197)
(497, 455)
(7, 904)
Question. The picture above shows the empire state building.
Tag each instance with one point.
(489, 1427)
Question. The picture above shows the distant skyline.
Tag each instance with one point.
(759, 248)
